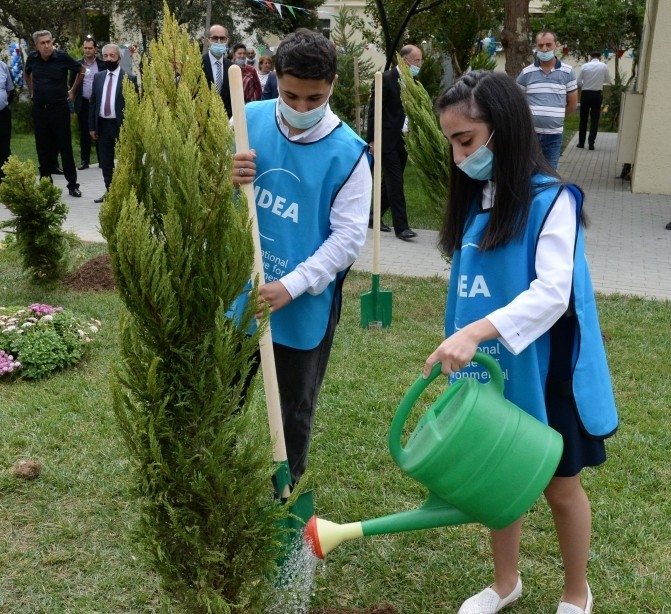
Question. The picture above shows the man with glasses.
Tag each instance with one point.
(394, 155)
(215, 64)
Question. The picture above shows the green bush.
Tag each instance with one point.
(42, 339)
(22, 117)
(38, 218)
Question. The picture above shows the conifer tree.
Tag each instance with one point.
(181, 252)
(38, 219)
(427, 147)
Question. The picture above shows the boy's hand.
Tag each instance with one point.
(273, 294)
(244, 168)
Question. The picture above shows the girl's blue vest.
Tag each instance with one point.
(483, 281)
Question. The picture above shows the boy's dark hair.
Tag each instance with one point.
(495, 99)
(238, 46)
(305, 54)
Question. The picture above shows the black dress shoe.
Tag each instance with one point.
(383, 226)
(83, 166)
(74, 192)
(406, 235)
(58, 171)
(668, 226)
(100, 200)
(591, 147)
(580, 146)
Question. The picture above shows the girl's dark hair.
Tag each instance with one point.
(495, 99)
(238, 46)
(305, 54)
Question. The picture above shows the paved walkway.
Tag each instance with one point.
(628, 247)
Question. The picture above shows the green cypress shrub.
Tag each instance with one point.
(38, 219)
(181, 251)
(426, 146)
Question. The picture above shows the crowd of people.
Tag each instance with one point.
(91, 87)
(519, 288)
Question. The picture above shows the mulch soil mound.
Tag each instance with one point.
(94, 275)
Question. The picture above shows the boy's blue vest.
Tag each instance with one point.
(483, 281)
(295, 186)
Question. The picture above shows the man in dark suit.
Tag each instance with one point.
(93, 65)
(394, 156)
(215, 64)
(106, 110)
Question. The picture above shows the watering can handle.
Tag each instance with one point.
(410, 398)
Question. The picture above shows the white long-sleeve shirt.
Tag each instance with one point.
(348, 219)
(535, 310)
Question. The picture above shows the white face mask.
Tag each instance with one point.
(306, 119)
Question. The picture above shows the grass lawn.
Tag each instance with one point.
(23, 146)
(64, 544)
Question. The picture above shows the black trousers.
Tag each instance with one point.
(392, 195)
(84, 133)
(108, 133)
(5, 136)
(53, 137)
(300, 374)
(590, 108)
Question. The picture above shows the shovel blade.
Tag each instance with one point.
(376, 306)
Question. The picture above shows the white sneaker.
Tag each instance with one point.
(489, 602)
(569, 608)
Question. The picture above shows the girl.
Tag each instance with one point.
(520, 289)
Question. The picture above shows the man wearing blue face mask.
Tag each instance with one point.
(215, 64)
(394, 155)
(552, 92)
(313, 188)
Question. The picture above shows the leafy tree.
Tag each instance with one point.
(594, 25)
(181, 252)
(347, 94)
(38, 220)
(60, 17)
(461, 24)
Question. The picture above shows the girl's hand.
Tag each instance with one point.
(458, 349)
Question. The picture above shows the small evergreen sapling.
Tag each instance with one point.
(38, 219)
(181, 251)
(427, 147)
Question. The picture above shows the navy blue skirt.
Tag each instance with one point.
(580, 448)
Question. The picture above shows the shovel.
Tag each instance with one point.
(302, 509)
(376, 305)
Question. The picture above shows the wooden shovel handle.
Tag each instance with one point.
(270, 385)
(377, 172)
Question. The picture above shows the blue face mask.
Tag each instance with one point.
(414, 70)
(218, 49)
(303, 120)
(545, 56)
(480, 164)
(240, 62)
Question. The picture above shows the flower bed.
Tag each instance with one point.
(39, 339)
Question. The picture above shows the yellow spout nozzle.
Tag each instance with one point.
(322, 536)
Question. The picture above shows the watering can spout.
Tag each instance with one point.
(322, 536)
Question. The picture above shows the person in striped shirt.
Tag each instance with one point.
(552, 91)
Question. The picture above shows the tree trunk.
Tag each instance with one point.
(515, 36)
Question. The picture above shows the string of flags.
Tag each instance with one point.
(277, 7)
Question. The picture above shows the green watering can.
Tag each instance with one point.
(482, 458)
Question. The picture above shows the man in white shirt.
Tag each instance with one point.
(591, 80)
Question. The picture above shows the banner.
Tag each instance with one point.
(277, 8)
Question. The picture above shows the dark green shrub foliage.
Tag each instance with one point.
(38, 218)
(181, 252)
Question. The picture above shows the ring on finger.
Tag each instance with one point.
(242, 172)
